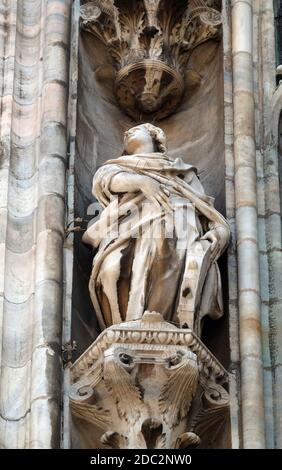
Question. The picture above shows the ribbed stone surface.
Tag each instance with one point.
(34, 63)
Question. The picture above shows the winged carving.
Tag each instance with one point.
(179, 391)
(125, 393)
(151, 386)
(95, 415)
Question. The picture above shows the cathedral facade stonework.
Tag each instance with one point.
(140, 224)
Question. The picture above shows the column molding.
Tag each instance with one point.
(252, 398)
(31, 369)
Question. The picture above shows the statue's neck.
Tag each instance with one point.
(147, 148)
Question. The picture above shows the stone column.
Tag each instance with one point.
(69, 241)
(270, 218)
(273, 109)
(246, 225)
(7, 65)
(234, 366)
(30, 404)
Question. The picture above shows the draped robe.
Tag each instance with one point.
(149, 258)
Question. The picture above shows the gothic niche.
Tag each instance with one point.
(148, 381)
(150, 43)
(143, 377)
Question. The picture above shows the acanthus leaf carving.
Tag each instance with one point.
(150, 43)
(211, 418)
(154, 379)
(95, 415)
(179, 390)
(125, 393)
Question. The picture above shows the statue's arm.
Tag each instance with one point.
(110, 180)
(125, 182)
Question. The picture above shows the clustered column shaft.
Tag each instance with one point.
(246, 224)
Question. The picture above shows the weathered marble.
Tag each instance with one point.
(162, 234)
(231, 112)
(150, 44)
(246, 226)
(156, 378)
(32, 287)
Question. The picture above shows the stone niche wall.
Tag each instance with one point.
(195, 132)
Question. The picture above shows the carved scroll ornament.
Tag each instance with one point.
(148, 384)
(150, 43)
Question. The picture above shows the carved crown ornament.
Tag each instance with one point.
(150, 43)
(148, 384)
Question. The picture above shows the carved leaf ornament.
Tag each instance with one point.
(150, 43)
(148, 384)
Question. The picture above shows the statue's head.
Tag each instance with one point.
(147, 136)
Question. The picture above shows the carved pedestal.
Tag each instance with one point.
(148, 384)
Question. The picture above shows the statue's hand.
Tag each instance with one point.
(157, 193)
(218, 237)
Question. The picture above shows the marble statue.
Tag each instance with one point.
(158, 238)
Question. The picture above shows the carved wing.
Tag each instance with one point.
(178, 392)
(212, 418)
(93, 414)
(127, 396)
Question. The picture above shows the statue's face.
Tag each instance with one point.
(138, 139)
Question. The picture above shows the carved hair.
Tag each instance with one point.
(157, 134)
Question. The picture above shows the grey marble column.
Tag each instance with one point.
(30, 404)
(247, 226)
(272, 153)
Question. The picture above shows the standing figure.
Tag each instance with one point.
(158, 238)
